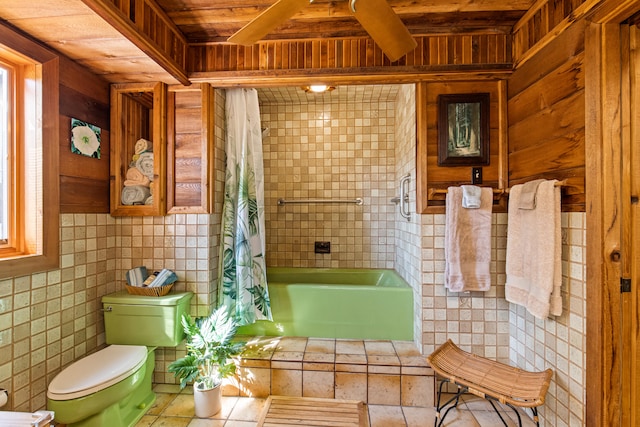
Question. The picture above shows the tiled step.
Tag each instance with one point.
(375, 372)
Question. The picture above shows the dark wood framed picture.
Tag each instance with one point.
(463, 129)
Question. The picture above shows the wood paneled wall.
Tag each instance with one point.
(543, 22)
(475, 51)
(546, 116)
(430, 175)
(84, 181)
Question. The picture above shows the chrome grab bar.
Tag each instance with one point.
(357, 201)
(404, 197)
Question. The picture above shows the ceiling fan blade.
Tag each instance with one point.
(267, 21)
(384, 27)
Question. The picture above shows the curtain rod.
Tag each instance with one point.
(357, 201)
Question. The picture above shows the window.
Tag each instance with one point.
(4, 154)
(29, 133)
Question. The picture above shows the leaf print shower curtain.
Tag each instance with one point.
(243, 272)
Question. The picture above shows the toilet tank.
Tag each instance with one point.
(145, 320)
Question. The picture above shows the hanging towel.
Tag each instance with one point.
(471, 196)
(467, 243)
(534, 249)
(528, 194)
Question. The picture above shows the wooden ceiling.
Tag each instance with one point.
(216, 20)
(74, 29)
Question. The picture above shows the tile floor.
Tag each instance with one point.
(291, 366)
(174, 408)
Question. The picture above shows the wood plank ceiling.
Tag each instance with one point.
(76, 30)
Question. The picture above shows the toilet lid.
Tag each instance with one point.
(97, 371)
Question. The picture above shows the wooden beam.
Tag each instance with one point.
(114, 17)
(615, 11)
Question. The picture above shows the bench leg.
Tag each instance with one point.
(534, 410)
(452, 402)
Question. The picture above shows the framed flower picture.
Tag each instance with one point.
(463, 129)
(85, 139)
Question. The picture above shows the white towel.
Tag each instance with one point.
(528, 194)
(145, 164)
(134, 195)
(534, 249)
(471, 196)
(467, 243)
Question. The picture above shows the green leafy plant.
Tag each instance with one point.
(210, 350)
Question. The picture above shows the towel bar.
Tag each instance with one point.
(357, 201)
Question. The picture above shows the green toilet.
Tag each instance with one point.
(113, 387)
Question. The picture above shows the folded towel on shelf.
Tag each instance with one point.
(136, 276)
(528, 194)
(145, 164)
(471, 196)
(142, 145)
(135, 177)
(134, 195)
(467, 242)
(534, 249)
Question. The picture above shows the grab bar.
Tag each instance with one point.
(404, 197)
(357, 201)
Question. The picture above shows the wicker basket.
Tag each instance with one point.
(157, 291)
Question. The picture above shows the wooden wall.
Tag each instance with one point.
(447, 52)
(546, 116)
(430, 175)
(84, 181)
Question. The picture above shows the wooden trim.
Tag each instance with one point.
(614, 11)
(208, 146)
(602, 93)
(342, 77)
(503, 141)
(121, 124)
(422, 184)
(626, 244)
(48, 63)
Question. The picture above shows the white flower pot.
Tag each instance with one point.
(207, 402)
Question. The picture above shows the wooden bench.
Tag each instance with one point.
(487, 379)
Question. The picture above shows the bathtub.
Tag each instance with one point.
(337, 303)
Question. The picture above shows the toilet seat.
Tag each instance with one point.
(97, 371)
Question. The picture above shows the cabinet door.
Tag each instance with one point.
(138, 149)
(190, 148)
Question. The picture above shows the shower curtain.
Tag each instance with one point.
(243, 287)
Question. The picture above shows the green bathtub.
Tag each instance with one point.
(337, 303)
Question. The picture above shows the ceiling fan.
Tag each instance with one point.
(375, 16)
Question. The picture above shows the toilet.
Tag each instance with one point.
(113, 387)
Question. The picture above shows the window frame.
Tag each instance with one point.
(33, 248)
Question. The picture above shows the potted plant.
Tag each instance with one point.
(209, 358)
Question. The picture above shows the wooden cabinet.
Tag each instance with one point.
(138, 149)
(190, 148)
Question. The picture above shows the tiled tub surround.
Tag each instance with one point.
(332, 146)
(376, 372)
